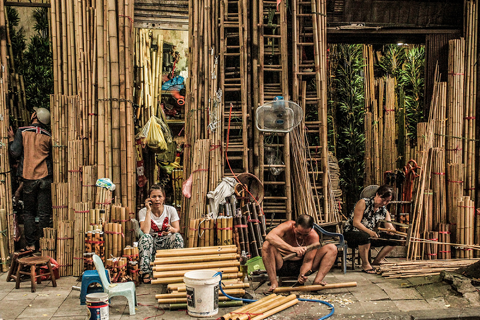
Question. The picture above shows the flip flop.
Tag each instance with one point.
(147, 279)
(370, 271)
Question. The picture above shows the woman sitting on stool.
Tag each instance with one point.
(160, 225)
(363, 220)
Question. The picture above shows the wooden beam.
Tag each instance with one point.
(26, 4)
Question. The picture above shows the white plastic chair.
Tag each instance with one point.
(126, 289)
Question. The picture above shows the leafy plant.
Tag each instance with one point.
(17, 39)
(39, 63)
(349, 115)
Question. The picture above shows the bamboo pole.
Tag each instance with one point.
(181, 271)
(196, 251)
(193, 259)
(180, 279)
(316, 287)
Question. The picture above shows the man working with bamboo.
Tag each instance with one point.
(294, 237)
(33, 145)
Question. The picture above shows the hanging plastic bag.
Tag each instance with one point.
(157, 134)
(187, 187)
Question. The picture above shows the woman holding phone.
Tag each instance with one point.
(160, 224)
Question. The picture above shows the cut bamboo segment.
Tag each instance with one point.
(282, 307)
(181, 272)
(196, 251)
(245, 308)
(316, 287)
(183, 294)
(183, 300)
(180, 279)
(193, 259)
(194, 266)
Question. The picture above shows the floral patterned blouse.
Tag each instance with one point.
(370, 216)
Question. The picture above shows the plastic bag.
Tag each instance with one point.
(105, 183)
(187, 187)
(156, 134)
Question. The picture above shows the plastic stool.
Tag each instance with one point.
(89, 277)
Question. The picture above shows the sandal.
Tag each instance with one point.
(146, 278)
(370, 271)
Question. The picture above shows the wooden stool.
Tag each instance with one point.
(33, 262)
(14, 264)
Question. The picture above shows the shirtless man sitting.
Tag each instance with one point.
(294, 237)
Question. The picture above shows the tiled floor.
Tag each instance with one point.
(374, 298)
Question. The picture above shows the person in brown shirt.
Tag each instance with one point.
(33, 145)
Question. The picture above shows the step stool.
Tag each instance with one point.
(35, 277)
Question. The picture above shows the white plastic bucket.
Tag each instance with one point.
(97, 304)
(202, 292)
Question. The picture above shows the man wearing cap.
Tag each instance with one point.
(33, 145)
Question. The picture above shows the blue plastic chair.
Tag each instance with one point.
(89, 277)
(341, 245)
(126, 289)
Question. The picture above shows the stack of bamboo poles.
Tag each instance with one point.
(370, 108)
(224, 231)
(421, 268)
(3, 240)
(200, 165)
(262, 308)
(444, 249)
(425, 162)
(132, 255)
(465, 227)
(117, 268)
(103, 201)
(206, 228)
(96, 219)
(59, 106)
(92, 59)
(389, 134)
(75, 163)
(81, 226)
(6, 205)
(89, 178)
(65, 248)
(180, 295)
(439, 187)
(256, 229)
(455, 106)
(471, 29)
(455, 174)
(94, 244)
(303, 195)
(47, 242)
(60, 202)
(170, 265)
(114, 238)
(119, 215)
(177, 181)
(431, 249)
(149, 61)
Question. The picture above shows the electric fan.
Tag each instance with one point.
(278, 116)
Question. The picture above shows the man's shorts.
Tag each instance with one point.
(290, 268)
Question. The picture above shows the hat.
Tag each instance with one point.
(43, 115)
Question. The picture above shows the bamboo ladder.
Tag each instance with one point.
(309, 64)
(233, 72)
(272, 75)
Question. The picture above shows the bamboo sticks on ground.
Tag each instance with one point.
(421, 268)
(262, 308)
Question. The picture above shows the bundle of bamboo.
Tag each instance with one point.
(439, 187)
(75, 163)
(470, 96)
(262, 308)
(200, 166)
(177, 181)
(132, 255)
(389, 134)
(455, 103)
(3, 240)
(58, 107)
(421, 268)
(113, 239)
(94, 244)
(89, 178)
(170, 265)
(465, 227)
(103, 201)
(431, 249)
(81, 226)
(65, 248)
(444, 250)
(47, 242)
(6, 206)
(455, 174)
(59, 202)
(117, 268)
